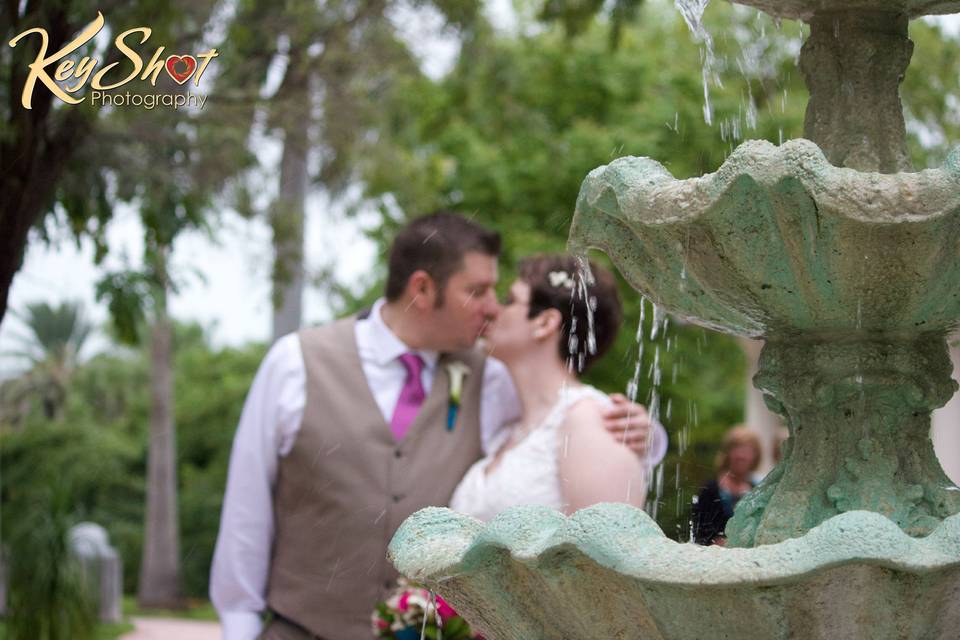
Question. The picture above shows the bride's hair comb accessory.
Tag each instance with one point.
(560, 279)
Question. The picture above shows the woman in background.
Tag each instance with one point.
(736, 462)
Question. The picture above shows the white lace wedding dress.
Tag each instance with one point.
(528, 473)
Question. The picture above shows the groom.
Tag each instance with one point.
(351, 427)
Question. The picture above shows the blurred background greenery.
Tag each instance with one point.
(505, 136)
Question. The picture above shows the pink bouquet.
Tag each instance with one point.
(412, 613)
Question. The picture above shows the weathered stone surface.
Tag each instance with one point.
(805, 9)
(852, 279)
(102, 568)
(779, 242)
(853, 63)
(609, 572)
(858, 410)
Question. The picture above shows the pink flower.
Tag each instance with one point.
(445, 610)
(403, 605)
(383, 624)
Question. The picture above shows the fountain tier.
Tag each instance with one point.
(780, 242)
(806, 9)
(609, 572)
(852, 279)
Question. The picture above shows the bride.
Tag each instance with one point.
(558, 454)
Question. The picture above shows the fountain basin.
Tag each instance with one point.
(609, 572)
(778, 241)
(804, 9)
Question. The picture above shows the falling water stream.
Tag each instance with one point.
(760, 53)
(658, 341)
(426, 616)
(692, 12)
(431, 605)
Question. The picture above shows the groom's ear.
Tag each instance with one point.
(421, 290)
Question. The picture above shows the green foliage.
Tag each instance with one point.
(519, 123)
(99, 149)
(103, 631)
(511, 133)
(57, 334)
(48, 598)
(98, 447)
(210, 389)
(204, 610)
(127, 295)
(931, 95)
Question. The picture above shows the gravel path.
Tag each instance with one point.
(172, 629)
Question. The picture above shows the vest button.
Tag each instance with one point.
(397, 498)
(398, 454)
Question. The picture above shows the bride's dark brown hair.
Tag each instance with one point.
(555, 283)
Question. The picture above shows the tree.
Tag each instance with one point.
(50, 153)
(168, 179)
(508, 137)
(160, 581)
(337, 60)
(510, 134)
(287, 215)
(57, 334)
(170, 202)
(98, 450)
(36, 143)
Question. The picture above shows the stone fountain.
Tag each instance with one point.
(847, 263)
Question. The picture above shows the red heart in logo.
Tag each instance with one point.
(181, 76)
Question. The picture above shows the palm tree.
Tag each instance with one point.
(57, 334)
(160, 573)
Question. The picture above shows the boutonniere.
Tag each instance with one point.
(457, 372)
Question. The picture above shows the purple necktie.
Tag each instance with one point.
(411, 396)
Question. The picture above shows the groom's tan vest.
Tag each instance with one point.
(347, 484)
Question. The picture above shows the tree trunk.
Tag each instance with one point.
(287, 217)
(160, 566)
(37, 142)
(32, 159)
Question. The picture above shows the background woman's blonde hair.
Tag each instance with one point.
(734, 437)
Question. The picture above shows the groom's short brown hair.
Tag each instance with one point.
(436, 243)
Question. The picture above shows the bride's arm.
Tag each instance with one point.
(593, 466)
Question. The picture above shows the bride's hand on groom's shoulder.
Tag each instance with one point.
(630, 423)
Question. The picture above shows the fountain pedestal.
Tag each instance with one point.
(858, 410)
(853, 63)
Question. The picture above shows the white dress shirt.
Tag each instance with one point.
(268, 426)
